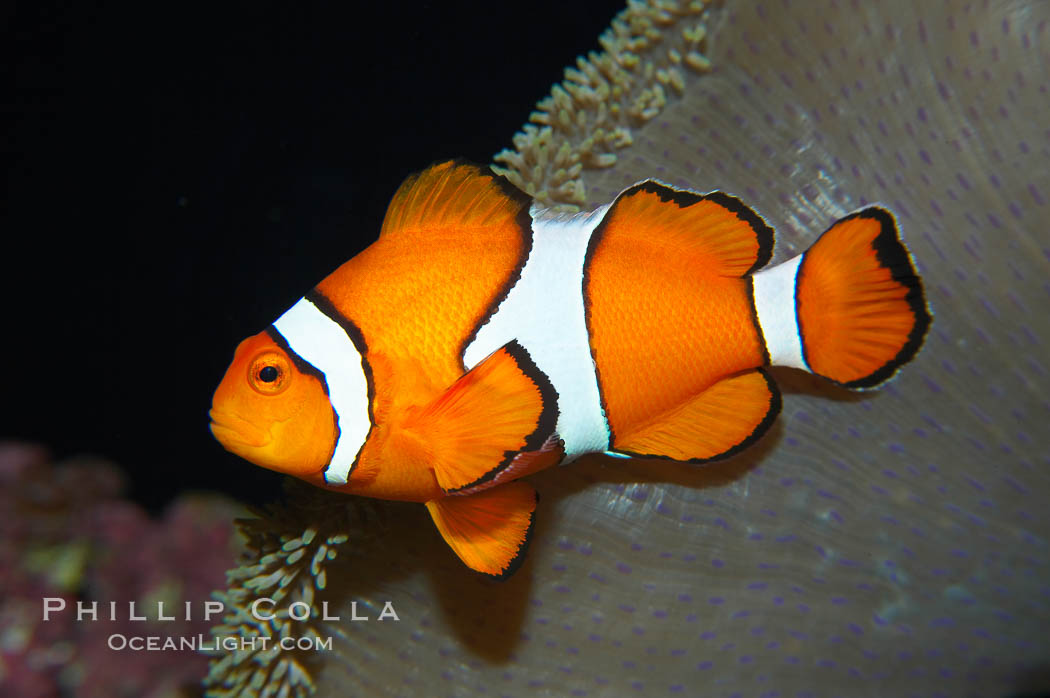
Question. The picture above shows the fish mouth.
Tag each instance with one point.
(236, 433)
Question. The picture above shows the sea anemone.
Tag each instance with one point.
(287, 552)
(651, 53)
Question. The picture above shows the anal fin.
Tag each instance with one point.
(488, 530)
(475, 429)
(719, 422)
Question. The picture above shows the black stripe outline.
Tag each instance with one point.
(307, 368)
(597, 234)
(545, 425)
(753, 307)
(327, 308)
(299, 362)
(524, 223)
(892, 254)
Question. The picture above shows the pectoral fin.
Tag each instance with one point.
(474, 430)
(489, 530)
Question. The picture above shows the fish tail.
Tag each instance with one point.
(860, 306)
(850, 309)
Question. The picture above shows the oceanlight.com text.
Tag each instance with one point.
(201, 643)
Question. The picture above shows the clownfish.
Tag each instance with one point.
(481, 339)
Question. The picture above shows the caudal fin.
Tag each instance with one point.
(860, 303)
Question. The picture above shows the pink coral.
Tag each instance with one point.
(66, 535)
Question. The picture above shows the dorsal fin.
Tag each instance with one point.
(454, 194)
(716, 231)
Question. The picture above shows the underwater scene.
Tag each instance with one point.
(826, 541)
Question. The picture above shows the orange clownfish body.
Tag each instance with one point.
(479, 340)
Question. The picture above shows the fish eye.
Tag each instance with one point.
(269, 373)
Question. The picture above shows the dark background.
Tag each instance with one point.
(175, 179)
